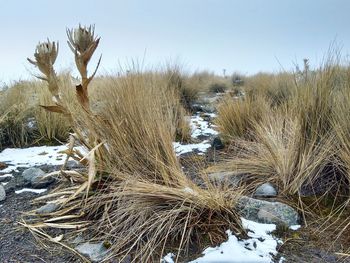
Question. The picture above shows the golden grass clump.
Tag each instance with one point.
(236, 116)
(148, 220)
(276, 88)
(16, 112)
(293, 143)
(24, 123)
(207, 82)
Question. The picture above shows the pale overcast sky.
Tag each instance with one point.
(247, 36)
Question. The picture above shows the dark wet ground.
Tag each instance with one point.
(17, 244)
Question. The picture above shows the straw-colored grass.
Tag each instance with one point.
(24, 122)
(53, 126)
(236, 116)
(276, 88)
(293, 142)
(16, 111)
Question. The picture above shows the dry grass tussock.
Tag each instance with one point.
(23, 122)
(134, 194)
(207, 82)
(299, 142)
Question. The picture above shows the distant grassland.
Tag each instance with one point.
(23, 122)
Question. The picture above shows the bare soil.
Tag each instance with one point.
(17, 244)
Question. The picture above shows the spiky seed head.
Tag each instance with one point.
(83, 43)
(82, 39)
(45, 56)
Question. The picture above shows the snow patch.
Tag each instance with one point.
(200, 127)
(295, 227)
(36, 191)
(260, 247)
(32, 156)
(168, 258)
(185, 148)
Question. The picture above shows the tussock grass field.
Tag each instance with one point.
(290, 129)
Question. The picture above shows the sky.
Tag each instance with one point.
(240, 36)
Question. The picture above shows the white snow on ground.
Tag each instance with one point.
(295, 227)
(168, 258)
(33, 156)
(185, 148)
(200, 127)
(260, 247)
(36, 191)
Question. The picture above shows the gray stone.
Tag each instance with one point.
(221, 178)
(46, 209)
(74, 165)
(266, 190)
(199, 107)
(37, 178)
(95, 251)
(2, 193)
(10, 186)
(31, 173)
(208, 108)
(217, 144)
(267, 212)
(4, 178)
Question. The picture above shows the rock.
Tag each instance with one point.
(267, 212)
(72, 165)
(37, 178)
(41, 181)
(208, 108)
(197, 107)
(46, 209)
(265, 190)
(221, 178)
(10, 186)
(2, 193)
(31, 173)
(217, 144)
(5, 178)
(95, 251)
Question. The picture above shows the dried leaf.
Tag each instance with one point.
(55, 108)
(82, 96)
(91, 172)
